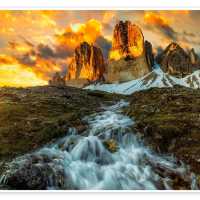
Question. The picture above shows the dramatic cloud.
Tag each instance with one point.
(46, 59)
(160, 23)
(76, 33)
(36, 44)
(104, 44)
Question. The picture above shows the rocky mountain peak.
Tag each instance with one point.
(87, 63)
(173, 46)
(130, 56)
(128, 40)
(174, 60)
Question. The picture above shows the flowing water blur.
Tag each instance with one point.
(83, 162)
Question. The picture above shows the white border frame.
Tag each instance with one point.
(99, 5)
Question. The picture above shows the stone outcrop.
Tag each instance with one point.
(130, 58)
(177, 62)
(57, 80)
(87, 65)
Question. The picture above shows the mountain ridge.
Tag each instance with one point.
(156, 78)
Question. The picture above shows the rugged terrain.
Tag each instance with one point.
(168, 120)
(35, 116)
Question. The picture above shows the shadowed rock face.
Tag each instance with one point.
(130, 57)
(88, 63)
(194, 60)
(193, 56)
(149, 54)
(175, 61)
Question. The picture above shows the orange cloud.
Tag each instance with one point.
(14, 74)
(185, 12)
(79, 32)
(160, 23)
(108, 16)
(156, 19)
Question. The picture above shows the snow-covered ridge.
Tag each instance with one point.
(156, 78)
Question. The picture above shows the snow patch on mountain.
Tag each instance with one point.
(192, 80)
(156, 78)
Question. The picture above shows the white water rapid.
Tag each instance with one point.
(83, 161)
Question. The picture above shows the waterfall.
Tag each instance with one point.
(85, 162)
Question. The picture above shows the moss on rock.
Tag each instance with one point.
(168, 120)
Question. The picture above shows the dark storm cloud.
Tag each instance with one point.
(166, 30)
(45, 51)
(104, 44)
(26, 59)
(57, 52)
(63, 52)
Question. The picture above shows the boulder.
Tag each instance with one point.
(35, 174)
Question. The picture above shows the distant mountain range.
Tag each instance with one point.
(131, 64)
(156, 78)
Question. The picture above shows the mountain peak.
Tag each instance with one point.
(130, 56)
(87, 63)
(174, 60)
(128, 40)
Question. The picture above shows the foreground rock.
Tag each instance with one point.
(168, 120)
(130, 57)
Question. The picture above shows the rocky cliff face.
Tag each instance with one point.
(149, 54)
(128, 40)
(194, 60)
(130, 57)
(176, 61)
(87, 64)
(193, 56)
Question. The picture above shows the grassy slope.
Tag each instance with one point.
(35, 116)
(169, 121)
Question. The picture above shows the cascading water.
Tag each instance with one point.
(84, 162)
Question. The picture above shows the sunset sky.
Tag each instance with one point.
(35, 44)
